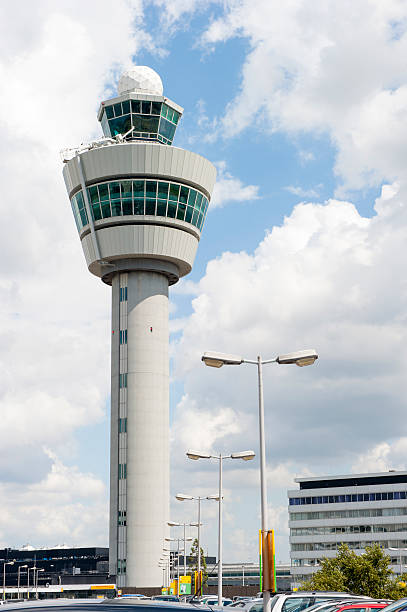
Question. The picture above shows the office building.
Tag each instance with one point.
(357, 510)
(139, 205)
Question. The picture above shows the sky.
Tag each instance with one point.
(302, 106)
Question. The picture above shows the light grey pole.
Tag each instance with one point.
(185, 551)
(199, 545)
(263, 473)
(4, 581)
(28, 583)
(242, 575)
(220, 534)
(18, 582)
(178, 568)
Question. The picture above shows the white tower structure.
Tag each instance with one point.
(139, 205)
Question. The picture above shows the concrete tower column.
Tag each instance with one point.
(140, 330)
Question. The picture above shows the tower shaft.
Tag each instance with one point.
(140, 408)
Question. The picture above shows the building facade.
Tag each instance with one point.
(357, 510)
(139, 205)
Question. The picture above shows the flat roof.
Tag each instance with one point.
(349, 480)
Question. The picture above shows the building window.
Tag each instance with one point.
(122, 519)
(123, 336)
(123, 381)
(121, 566)
(123, 425)
(340, 499)
(122, 471)
(123, 294)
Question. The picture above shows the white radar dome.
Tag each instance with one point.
(140, 79)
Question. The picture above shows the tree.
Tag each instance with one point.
(194, 562)
(366, 574)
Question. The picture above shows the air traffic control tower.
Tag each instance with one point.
(139, 205)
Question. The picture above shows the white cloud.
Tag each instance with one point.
(303, 193)
(65, 506)
(55, 67)
(324, 67)
(231, 189)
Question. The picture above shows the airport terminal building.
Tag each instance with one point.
(357, 510)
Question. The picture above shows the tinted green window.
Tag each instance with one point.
(103, 192)
(151, 189)
(97, 213)
(116, 208)
(118, 109)
(145, 124)
(205, 208)
(167, 129)
(163, 190)
(192, 197)
(126, 106)
(164, 110)
(155, 108)
(175, 117)
(200, 220)
(188, 214)
(195, 217)
(126, 189)
(106, 210)
(161, 208)
(198, 201)
(181, 211)
(114, 190)
(75, 214)
(150, 207)
(93, 193)
(146, 108)
(174, 191)
(84, 216)
(109, 112)
(120, 125)
(138, 187)
(79, 199)
(183, 196)
(135, 106)
(127, 207)
(139, 206)
(172, 209)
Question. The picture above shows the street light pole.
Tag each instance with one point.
(20, 567)
(299, 358)
(195, 455)
(4, 577)
(220, 535)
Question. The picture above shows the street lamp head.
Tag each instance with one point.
(300, 358)
(195, 524)
(182, 497)
(169, 539)
(217, 360)
(195, 455)
(245, 455)
(173, 524)
(215, 497)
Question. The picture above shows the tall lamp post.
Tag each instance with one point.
(178, 540)
(184, 525)
(300, 358)
(246, 456)
(36, 580)
(183, 497)
(4, 577)
(20, 567)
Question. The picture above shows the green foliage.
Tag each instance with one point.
(366, 574)
(194, 563)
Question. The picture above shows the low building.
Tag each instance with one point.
(357, 510)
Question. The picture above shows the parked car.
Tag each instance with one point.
(166, 597)
(301, 600)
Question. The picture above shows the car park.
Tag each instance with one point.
(301, 600)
